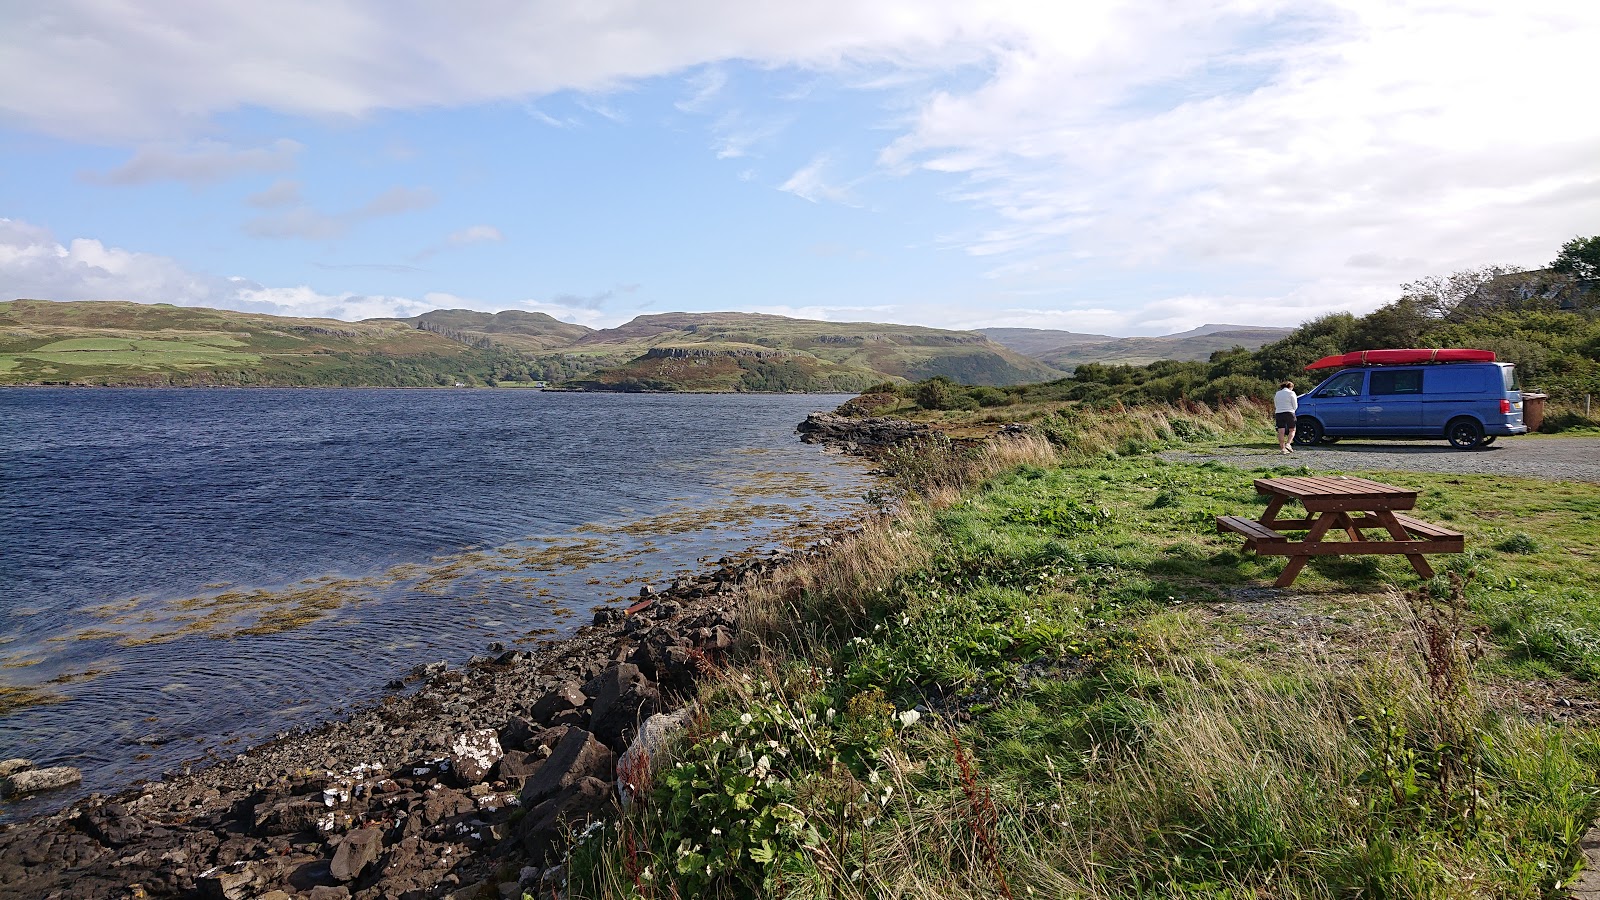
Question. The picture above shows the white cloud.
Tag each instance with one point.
(303, 221)
(474, 234)
(84, 68)
(809, 182)
(282, 193)
(203, 162)
(34, 265)
(1327, 149)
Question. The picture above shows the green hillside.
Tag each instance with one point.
(115, 343)
(832, 351)
(1068, 349)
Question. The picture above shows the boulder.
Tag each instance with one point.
(233, 883)
(622, 696)
(290, 816)
(473, 755)
(515, 734)
(33, 781)
(111, 824)
(636, 767)
(356, 852)
(11, 767)
(569, 696)
(546, 823)
(578, 756)
(517, 766)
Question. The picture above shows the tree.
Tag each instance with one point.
(1580, 258)
(1437, 296)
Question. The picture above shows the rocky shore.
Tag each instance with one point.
(863, 435)
(462, 782)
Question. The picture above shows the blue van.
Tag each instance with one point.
(1467, 403)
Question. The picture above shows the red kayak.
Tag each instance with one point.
(1402, 357)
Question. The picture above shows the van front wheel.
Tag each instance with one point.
(1307, 431)
(1464, 434)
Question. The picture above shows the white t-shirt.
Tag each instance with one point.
(1285, 401)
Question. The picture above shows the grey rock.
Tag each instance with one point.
(356, 852)
(473, 755)
(566, 697)
(227, 885)
(11, 767)
(578, 756)
(33, 781)
(622, 695)
(569, 809)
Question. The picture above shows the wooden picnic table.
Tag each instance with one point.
(1337, 502)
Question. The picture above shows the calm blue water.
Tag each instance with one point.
(183, 567)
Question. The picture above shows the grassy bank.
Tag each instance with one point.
(1046, 675)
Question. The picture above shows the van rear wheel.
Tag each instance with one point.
(1488, 440)
(1464, 434)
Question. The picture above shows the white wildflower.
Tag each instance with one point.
(910, 717)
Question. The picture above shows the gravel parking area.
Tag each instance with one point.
(1554, 458)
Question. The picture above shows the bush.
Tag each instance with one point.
(942, 393)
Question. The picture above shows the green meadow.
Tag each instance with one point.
(1047, 675)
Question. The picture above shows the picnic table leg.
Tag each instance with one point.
(1398, 532)
(1296, 563)
(1349, 526)
(1269, 516)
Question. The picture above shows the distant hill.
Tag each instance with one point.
(1037, 341)
(1067, 349)
(109, 342)
(828, 355)
(512, 329)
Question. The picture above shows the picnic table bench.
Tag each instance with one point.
(1346, 504)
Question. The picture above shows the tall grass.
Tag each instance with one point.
(992, 692)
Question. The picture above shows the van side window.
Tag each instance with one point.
(1404, 381)
(1347, 384)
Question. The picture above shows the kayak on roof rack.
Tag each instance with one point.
(1409, 357)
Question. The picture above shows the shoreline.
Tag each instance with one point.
(398, 761)
(441, 786)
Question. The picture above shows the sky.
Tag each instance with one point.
(1109, 167)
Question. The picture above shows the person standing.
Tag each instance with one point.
(1284, 405)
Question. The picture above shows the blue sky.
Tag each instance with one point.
(1111, 167)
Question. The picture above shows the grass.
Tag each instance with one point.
(1047, 675)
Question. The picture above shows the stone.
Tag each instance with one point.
(33, 781)
(11, 767)
(636, 767)
(111, 824)
(622, 695)
(289, 816)
(578, 756)
(226, 885)
(275, 895)
(517, 766)
(324, 892)
(568, 696)
(515, 734)
(356, 852)
(445, 804)
(575, 804)
(473, 755)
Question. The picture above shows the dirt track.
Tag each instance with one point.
(1554, 458)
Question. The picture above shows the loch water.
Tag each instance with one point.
(186, 571)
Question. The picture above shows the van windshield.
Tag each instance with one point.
(1512, 382)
